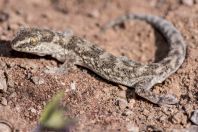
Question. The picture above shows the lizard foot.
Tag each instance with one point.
(168, 99)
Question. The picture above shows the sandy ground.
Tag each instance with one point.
(95, 103)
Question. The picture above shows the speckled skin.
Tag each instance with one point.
(74, 50)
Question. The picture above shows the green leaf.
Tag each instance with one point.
(53, 117)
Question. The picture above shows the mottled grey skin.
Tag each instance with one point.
(74, 50)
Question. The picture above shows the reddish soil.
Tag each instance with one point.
(97, 104)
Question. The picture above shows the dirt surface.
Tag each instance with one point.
(95, 103)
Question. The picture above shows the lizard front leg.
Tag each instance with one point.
(69, 60)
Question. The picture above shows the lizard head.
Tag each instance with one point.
(32, 40)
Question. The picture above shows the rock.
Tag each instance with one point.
(179, 117)
(3, 16)
(73, 86)
(132, 128)
(93, 14)
(37, 80)
(5, 127)
(4, 101)
(192, 128)
(9, 65)
(32, 110)
(122, 103)
(13, 95)
(127, 112)
(194, 117)
(122, 94)
(3, 83)
(187, 2)
(124, 88)
(3, 65)
(131, 103)
(24, 66)
(10, 82)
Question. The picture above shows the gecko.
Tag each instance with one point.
(73, 51)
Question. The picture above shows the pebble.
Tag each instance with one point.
(3, 16)
(73, 86)
(187, 2)
(13, 95)
(4, 101)
(10, 83)
(3, 83)
(127, 112)
(122, 94)
(131, 103)
(179, 118)
(3, 65)
(32, 110)
(94, 14)
(37, 80)
(132, 128)
(5, 127)
(124, 88)
(122, 103)
(192, 128)
(194, 117)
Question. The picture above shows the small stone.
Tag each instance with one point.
(24, 66)
(32, 65)
(3, 65)
(32, 110)
(124, 88)
(18, 108)
(9, 65)
(10, 83)
(194, 117)
(4, 101)
(132, 128)
(187, 2)
(192, 128)
(37, 80)
(81, 112)
(3, 16)
(5, 127)
(122, 94)
(179, 117)
(13, 95)
(73, 86)
(94, 14)
(131, 103)
(3, 83)
(122, 103)
(127, 112)
(146, 112)
(163, 118)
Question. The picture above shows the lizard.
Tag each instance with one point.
(73, 51)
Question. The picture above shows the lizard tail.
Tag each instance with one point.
(177, 52)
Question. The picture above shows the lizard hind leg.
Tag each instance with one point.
(143, 90)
